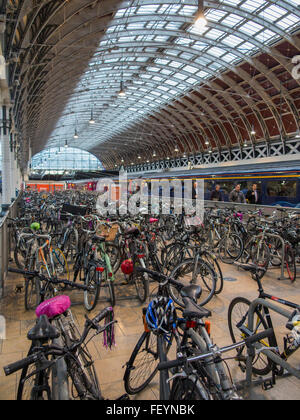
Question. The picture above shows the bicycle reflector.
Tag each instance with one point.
(100, 269)
(127, 267)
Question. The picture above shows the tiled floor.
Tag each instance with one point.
(110, 364)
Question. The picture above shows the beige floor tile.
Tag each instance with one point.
(129, 328)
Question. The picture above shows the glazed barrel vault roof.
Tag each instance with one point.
(186, 88)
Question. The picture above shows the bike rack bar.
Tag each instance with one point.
(269, 353)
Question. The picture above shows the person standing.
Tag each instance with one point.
(216, 195)
(253, 196)
(237, 196)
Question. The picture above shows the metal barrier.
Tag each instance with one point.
(267, 210)
(5, 245)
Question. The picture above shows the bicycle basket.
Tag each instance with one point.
(108, 232)
(75, 210)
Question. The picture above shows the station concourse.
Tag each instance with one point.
(107, 104)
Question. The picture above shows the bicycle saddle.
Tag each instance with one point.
(192, 292)
(53, 307)
(254, 269)
(192, 310)
(132, 231)
(43, 330)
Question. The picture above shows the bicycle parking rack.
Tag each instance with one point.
(282, 276)
(269, 382)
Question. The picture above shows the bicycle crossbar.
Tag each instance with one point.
(270, 354)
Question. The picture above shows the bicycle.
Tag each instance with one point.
(151, 351)
(238, 324)
(63, 360)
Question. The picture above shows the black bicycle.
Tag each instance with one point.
(59, 367)
(238, 325)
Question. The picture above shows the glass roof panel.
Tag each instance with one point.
(155, 47)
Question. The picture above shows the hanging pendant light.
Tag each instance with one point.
(176, 149)
(66, 144)
(122, 92)
(76, 134)
(253, 132)
(200, 20)
(92, 121)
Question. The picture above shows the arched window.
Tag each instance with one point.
(65, 159)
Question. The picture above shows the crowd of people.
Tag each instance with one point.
(237, 195)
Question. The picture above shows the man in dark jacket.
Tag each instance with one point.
(253, 196)
(237, 196)
(216, 195)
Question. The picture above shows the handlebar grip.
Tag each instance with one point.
(172, 364)
(260, 336)
(21, 364)
(102, 315)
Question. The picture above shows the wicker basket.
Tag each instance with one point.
(109, 233)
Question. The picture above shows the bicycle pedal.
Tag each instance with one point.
(267, 385)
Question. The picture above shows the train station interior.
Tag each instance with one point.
(150, 200)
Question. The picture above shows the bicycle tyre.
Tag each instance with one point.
(290, 262)
(238, 336)
(148, 370)
(92, 279)
(204, 270)
(32, 293)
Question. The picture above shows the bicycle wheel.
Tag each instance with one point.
(111, 292)
(231, 249)
(142, 365)
(113, 251)
(61, 267)
(93, 282)
(238, 314)
(290, 262)
(212, 260)
(20, 255)
(32, 293)
(83, 376)
(32, 386)
(197, 272)
(260, 254)
(175, 254)
(70, 247)
(141, 281)
(190, 388)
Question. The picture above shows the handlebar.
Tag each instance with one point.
(22, 364)
(29, 274)
(40, 355)
(159, 276)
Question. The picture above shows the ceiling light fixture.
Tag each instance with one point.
(66, 144)
(253, 132)
(92, 121)
(122, 92)
(200, 20)
(76, 134)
